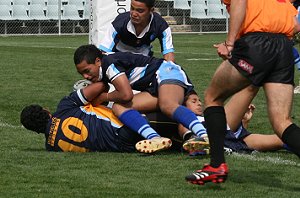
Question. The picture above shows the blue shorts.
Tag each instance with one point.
(170, 73)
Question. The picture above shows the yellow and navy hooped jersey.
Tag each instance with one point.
(78, 126)
(121, 36)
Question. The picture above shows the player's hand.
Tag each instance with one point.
(248, 115)
(223, 50)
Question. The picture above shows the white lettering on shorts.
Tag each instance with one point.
(245, 66)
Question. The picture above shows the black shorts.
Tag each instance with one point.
(235, 140)
(264, 57)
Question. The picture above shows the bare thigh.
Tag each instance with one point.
(279, 100)
(170, 97)
(237, 106)
(225, 82)
(143, 102)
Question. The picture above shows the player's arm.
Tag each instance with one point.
(166, 43)
(93, 90)
(237, 14)
(169, 57)
(123, 92)
(237, 17)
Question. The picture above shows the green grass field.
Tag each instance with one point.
(40, 69)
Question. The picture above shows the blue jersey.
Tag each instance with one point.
(143, 72)
(80, 127)
(121, 36)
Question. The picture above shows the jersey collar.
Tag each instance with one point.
(130, 28)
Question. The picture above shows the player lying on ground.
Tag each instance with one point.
(162, 86)
(78, 126)
(237, 140)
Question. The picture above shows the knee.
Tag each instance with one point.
(167, 108)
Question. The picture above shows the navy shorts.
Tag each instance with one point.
(264, 57)
(235, 140)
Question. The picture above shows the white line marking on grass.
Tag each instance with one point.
(4, 124)
(273, 160)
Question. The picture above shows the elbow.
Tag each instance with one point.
(126, 97)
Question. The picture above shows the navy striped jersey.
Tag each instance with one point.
(121, 36)
(140, 70)
(78, 126)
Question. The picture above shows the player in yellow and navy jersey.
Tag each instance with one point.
(78, 126)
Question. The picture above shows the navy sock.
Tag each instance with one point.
(136, 122)
(215, 121)
(291, 137)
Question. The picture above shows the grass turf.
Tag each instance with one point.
(40, 69)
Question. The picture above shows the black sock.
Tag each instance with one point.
(188, 135)
(216, 125)
(291, 136)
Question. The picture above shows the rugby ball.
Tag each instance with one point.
(80, 84)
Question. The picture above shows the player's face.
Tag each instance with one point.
(194, 104)
(139, 13)
(89, 71)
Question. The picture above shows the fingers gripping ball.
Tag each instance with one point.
(81, 84)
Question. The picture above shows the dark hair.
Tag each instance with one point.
(35, 118)
(89, 53)
(149, 3)
(187, 96)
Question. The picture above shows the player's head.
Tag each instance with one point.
(140, 11)
(148, 3)
(35, 118)
(193, 102)
(87, 59)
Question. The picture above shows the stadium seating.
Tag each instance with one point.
(52, 2)
(52, 12)
(5, 2)
(36, 12)
(183, 5)
(215, 11)
(21, 2)
(86, 11)
(168, 7)
(42, 2)
(71, 13)
(19, 12)
(78, 3)
(198, 9)
(5, 13)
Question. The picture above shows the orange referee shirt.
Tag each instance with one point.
(274, 16)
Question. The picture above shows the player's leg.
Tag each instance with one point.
(173, 83)
(279, 99)
(225, 82)
(237, 106)
(262, 142)
(129, 115)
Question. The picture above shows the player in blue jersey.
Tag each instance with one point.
(78, 126)
(162, 84)
(238, 138)
(134, 31)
